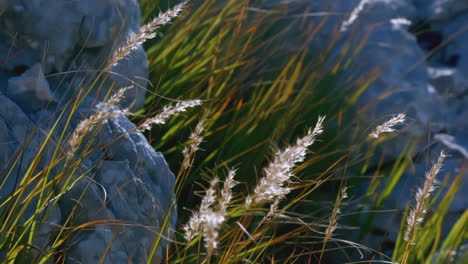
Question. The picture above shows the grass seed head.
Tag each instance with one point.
(273, 186)
(388, 126)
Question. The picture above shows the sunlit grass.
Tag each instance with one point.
(256, 99)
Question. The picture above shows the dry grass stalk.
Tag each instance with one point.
(272, 187)
(104, 111)
(388, 126)
(192, 228)
(416, 215)
(146, 32)
(167, 112)
(196, 139)
(208, 219)
(333, 220)
(226, 192)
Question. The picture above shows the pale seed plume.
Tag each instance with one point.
(196, 139)
(212, 222)
(105, 110)
(226, 192)
(167, 112)
(333, 220)
(192, 228)
(145, 33)
(273, 187)
(214, 219)
(388, 126)
(416, 215)
(209, 219)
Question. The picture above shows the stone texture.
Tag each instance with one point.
(45, 59)
(81, 38)
(441, 9)
(31, 90)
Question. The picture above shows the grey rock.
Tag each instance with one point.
(455, 33)
(14, 59)
(447, 81)
(124, 179)
(31, 90)
(16, 127)
(86, 32)
(132, 185)
(438, 10)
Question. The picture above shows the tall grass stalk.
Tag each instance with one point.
(416, 215)
(104, 112)
(146, 32)
(167, 112)
(208, 219)
(272, 188)
(333, 220)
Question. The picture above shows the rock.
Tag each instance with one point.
(15, 128)
(15, 61)
(439, 10)
(130, 185)
(447, 81)
(86, 32)
(31, 90)
(124, 180)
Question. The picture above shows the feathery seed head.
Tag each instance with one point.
(226, 192)
(104, 112)
(167, 112)
(272, 187)
(388, 126)
(192, 228)
(145, 33)
(416, 215)
(196, 139)
(354, 15)
(208, 219)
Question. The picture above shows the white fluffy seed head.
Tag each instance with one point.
(354, 15)
(226, 192)
(105, 110)
(388, 126)
(416, 215)
(167, 112)
(273, 186)
(192, 228)
(196, 139)
(145, 33)
(209, 220)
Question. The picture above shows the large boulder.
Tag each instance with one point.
(49, 50)
(80, 39)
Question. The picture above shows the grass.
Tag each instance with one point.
(258, 98)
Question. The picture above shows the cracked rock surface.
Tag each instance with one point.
(49, 50)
